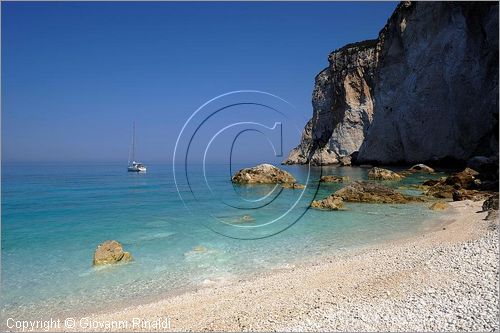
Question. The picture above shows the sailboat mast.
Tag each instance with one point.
(133, 144)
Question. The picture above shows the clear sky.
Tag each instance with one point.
(76, 75)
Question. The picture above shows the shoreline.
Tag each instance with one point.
(342, 292)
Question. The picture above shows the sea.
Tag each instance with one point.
(186, 228)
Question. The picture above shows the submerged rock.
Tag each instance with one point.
(440, 190)
(110, 252)
(383, 174)
(333, 179)
(331, 202)
(372, 193)
(243, 219)
(431, 182)
(413, 187)
(262, 174)
(200, 249)
(293, 186)
(440, 205)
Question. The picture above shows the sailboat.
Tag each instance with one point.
(134, 166)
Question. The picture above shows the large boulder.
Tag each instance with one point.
(463, 179)
(262, 174)
(461, 185)
(383, 174)
(332, 202)
(110, 252)
(372, 193)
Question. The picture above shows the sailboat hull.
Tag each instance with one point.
(136, 169)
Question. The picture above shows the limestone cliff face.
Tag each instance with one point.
(425, 90)
(342, 106)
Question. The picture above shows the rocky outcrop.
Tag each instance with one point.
(342, 107)
(110, 252)
(372, 193)
(425, 90)
(262, 174)
(332, 202)
(463, 179)
(463, 185)
(383, 174)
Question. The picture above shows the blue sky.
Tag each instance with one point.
(76, 75)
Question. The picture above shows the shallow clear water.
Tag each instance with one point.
(54, 216)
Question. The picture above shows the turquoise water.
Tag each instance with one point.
(54, 216)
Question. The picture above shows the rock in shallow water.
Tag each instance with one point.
(262, 174)
(333, 179)
(440, 190)
(461, 185)
(332, 202)
(293, 186)
(110, 252)
(372, 193)
(383, 174)
(463, 178)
